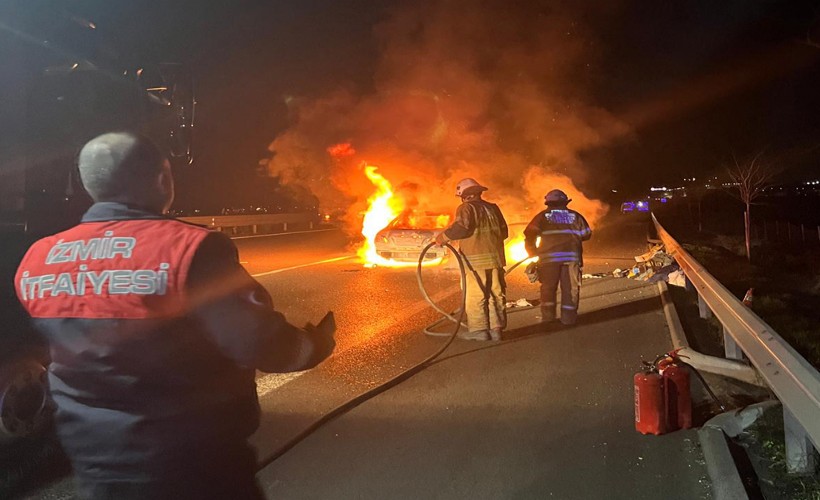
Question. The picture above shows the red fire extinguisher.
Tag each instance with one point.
(650, 414)
(663, 400)
(678, 396)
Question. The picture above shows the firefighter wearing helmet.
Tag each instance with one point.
(560, 255)
(480, 228)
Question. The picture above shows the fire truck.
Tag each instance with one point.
(62, 84)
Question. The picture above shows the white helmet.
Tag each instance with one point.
(465, 184)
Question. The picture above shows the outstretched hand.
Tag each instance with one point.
(325, 330)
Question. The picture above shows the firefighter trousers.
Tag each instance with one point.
(486, 300)
(568, 276)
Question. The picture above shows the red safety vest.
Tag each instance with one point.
(125, 269)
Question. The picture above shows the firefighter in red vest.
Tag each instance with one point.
(155, 333)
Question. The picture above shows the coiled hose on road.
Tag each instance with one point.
(463, 265)
(456, 317)
(394, 381)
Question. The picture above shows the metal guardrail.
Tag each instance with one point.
(252, 221)
(793, 379)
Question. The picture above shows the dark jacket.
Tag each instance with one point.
(561, 231)
(481, 230)
(155, 331)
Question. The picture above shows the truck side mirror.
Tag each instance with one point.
(182, 100)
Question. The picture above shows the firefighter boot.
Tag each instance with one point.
(495, 333)
(547, 314)
(477, 335)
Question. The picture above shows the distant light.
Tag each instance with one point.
(614, 190)
(663, 200)
(91, 25)
(75, 66)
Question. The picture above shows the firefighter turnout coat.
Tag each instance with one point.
(481, 230)
(561, 232)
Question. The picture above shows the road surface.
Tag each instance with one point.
(541, 415)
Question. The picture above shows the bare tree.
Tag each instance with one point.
(751, 177)
(695, 193)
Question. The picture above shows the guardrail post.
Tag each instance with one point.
(799, 450)
(284, 227)
(703, 309)
(730, 347)
(254, 229)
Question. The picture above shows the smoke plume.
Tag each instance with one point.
(491, 90)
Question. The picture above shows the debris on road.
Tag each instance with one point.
(677, 278)
(653, 266)
(518, 303)
(587, 276)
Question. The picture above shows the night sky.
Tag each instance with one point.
(695, 82)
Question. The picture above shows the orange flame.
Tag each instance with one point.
(383, 206)
(515, 250)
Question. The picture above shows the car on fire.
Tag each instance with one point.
(407, 235)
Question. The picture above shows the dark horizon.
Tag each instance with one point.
(695, 83)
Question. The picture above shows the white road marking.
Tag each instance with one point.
(272, 381)
(275, 271)
(282, 234)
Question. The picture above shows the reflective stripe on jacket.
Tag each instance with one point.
(561, 232)
(481, 230)
(154, 331)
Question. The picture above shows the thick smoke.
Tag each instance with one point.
(491, 90)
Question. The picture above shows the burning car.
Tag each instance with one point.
(407, 235)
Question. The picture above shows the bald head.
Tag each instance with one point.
(126, 168)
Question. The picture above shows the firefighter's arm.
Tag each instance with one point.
(531, 233)
(463, 226)
(505, 230)
(237, 314)
(585, 232)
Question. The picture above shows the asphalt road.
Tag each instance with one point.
(537, 416)
(553, 421)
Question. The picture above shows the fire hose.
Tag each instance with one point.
(464, 264)
(456, 317)
(389, 384)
